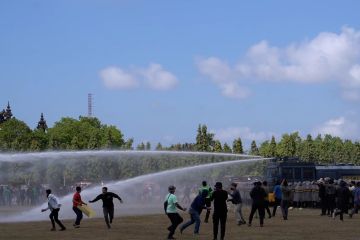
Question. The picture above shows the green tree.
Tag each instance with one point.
(39, 140)
(308, 151)
(254, 149)
(348, 152)
(74, 143)
(129, 144)
(15, 135)
(148, 146)
(287, 147)
(237, 146)
(217, 146)
(204, 140)
(140, 147)
(159, 147)
(227, 148)
(272, 148)
(356, 154)
(265, 149)
(112, 137)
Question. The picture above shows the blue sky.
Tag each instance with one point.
(157, 69)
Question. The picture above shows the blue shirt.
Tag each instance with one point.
(198, 204)
(357, 195)
(277, 191)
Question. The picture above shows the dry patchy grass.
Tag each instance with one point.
(306, 224)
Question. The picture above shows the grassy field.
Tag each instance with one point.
(305, 224)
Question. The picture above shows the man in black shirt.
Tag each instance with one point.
(219, 197)
(258, 196)
(108, 205)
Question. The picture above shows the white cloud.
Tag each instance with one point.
(154, 76)
(159, 79)
(327, 57)
(340, 127)
(221, 74)
(117, 78)
(245, 133)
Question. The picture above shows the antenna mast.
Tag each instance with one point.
(90, 104)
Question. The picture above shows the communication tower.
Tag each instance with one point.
(90, 104)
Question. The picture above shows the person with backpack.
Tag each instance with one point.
(54, 206)
(170, 206)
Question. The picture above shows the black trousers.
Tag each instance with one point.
(54, 217)
(79, 215)
(261, 209)
(331, 204)
(219, 218)
(266, 206)
(323, 206)
(208, 205)
(108, 214)
(342, 209)
(175, 219)
(276, 204)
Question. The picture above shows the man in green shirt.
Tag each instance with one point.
(171, 211)
(207, 199)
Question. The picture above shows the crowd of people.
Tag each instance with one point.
(23, 195)
(335, 198)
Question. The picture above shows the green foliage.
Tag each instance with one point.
(273, 148)
(159, 147)
(254, 149)
(227, 148)
(66, 134)
(148, 146)
(217, 146)
(129, 144)
(308, 150)
(15, 135)
(140, 147)
(204, 140)
(324, 150)
(237, 146)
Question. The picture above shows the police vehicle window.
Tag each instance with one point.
(297, 173)
(287, 173)
(308, 173)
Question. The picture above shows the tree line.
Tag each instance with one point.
(89, 133)
(66, 134)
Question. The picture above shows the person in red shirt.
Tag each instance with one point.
(77, 202)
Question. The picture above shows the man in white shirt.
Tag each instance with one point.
(54, 206)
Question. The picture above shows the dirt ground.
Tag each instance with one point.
(305, 224)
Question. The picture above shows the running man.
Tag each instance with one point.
(171, 206)
(108, 205)
(77, 202)
(54, 206)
